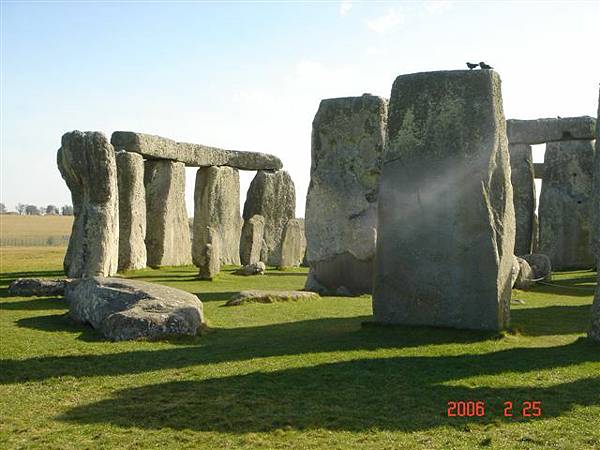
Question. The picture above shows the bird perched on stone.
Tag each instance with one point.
(471, 66)
(484, 65)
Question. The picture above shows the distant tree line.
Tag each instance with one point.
(32, 210)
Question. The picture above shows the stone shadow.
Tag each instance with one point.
(401, 393)
(551, 320)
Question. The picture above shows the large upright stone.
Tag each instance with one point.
(217, 205)
(595, 328)
(86, 161)
(273, 196)
(132, 211)
(565, 210)
(348, 138)
(293, 245)
(523, 183)
(251, 242)
(446, 227)
(157, 147)
(540, 131)
(167, 229)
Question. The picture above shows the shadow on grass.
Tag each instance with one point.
(551, 320)
(221, 345)
(61, 322)
(581, 285)
(35, 304)
(402, 393)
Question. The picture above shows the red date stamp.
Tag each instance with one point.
(478, 408)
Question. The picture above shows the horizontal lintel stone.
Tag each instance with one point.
(196, 155)
(539, 131)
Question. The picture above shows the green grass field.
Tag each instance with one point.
(294, 375)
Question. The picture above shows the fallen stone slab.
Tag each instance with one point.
(539, 131)
(257, 268)
(540, 265)
(30, 287)
(270, 297)
(446, 224)
(196, 155)
(123, 309)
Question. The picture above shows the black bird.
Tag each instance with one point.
(484, 65)
(471, 66)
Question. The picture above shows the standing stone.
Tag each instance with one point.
(252, 239)
(293, 245)
(132, 211)
(217, 205)
(273, 196)
(167, 230)
(566, 205)
(348, 138)
(595, 328)
(208, 257)
(523, 183)
(446, 228)
(87, 164)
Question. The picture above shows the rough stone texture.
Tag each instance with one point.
(566, 205)
(156, 147)
(525, 278)
(540, 131)
(167, 230)
(348, 137)
(257, 268)
(251, 241)
(270, 297)
(30, 287)
(538, 168)
(208, 257)
(514, 274)
(129, 309)
(293, 245)
(87, 164)
(132, 211)
(217, 205)
(523, 183)
(540, 265)
(273, 196)
(446, 225)
(595, 328)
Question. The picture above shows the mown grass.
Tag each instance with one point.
(294, 375)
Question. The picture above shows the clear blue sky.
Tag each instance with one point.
(250, 76)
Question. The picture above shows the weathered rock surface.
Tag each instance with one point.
(565, 211)
(156, 147)
(446, 227)
(251, 241)
(540, 131)
(217, 205)
(523, 183)
(124, 309)
(540, 265)
(293, 245)
(29, 287)
(257, 268)
(273, 196)
(514, 274)
(87, 164)
(167, 230)
(595, 328)
(270, 297)
(132, 211)
(208, 256)
(525, 278)
(348, 138)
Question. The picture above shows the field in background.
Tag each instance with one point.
(27, 231)
(305, 374)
